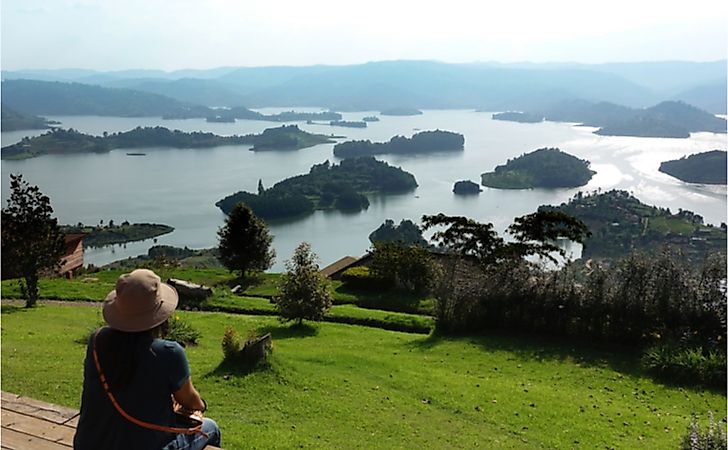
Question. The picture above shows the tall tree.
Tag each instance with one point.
(31, 238)
(244, 242)
(304, 291)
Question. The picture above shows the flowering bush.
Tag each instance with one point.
(713, 438)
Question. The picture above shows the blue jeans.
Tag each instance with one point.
(197, 441)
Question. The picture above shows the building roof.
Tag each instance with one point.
(339, 265)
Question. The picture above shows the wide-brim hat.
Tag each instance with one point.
(140, 302)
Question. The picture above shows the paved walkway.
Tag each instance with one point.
(29, 424)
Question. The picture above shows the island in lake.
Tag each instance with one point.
(466, 187)
(543, 168)
(111, 234)
(347, 123)
(401, 112)
(423, 142)
(521, 117)
(620, 224)
(370, 119)
(60, 141)
(326, 186)
(704, 168)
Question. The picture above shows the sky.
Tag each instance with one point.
(202, 34)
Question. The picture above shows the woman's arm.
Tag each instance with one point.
(188, 397)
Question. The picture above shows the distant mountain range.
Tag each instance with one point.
(416, 84)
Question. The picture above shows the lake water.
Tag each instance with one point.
(179, 187)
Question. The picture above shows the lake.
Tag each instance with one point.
(179, 187)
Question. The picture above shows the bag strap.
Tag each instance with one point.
(129, 417)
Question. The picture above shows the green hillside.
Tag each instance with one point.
(332, 385)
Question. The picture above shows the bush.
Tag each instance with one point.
(305, 293)
(251, 353)
(686, 365)
(412, 269)
(182, 332)
(359, 277)
(714, 438)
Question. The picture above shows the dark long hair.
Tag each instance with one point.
(119, 352)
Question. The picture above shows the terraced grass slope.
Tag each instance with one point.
(342, 386)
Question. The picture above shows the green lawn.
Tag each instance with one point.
(342, 386)
(389, 310)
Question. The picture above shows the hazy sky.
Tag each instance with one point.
(175, 34)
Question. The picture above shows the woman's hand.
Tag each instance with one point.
(188, 397)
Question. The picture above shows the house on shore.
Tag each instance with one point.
(334, 270)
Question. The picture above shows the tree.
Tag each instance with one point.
(304, 291)
(411, 268)
(32, 241)
(244, 242)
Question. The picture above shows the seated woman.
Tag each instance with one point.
(132, 377)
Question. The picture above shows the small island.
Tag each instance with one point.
(423, 142)
(466, 187)
(60, 141)
(286, 137)
(346, 123)
(112, 234)
(401, 112)
(543, 168)
(370, 119)
(620, 224)
(703, 168)
(326, 186)
(521, 117)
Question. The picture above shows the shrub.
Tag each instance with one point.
(251, 353)
(686, 365)
(182, 332)
(230, 344)
(409, 268)
(359, 277)
(713, 438)
(305, 293)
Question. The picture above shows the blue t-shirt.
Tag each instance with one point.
(162, 369)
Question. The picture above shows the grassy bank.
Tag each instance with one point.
(95, 286)
(333, 385)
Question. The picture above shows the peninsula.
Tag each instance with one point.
(326, 186)
(543, 168)
(423, 142)
(703, 168)
(111, 234)
(401, 112)
(620, 224)
(60, 141)
(12, 120)
(521, 117)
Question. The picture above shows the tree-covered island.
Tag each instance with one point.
(60, 141)
(543, 168)
(326, 186)
(620, 224)
(423, 142)
(111, 233)
(466, 187)
(348, 123)
(705, 168)
(514, 116)
(370, 119)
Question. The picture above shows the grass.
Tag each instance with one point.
(332, 385)
(399, 312)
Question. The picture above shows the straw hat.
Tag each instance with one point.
(140, 302)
